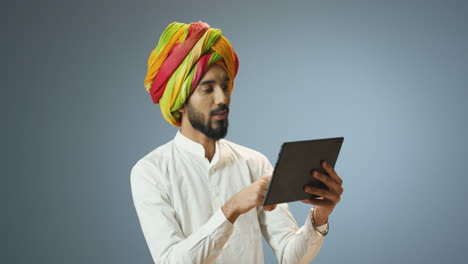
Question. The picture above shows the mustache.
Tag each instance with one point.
(221, 108)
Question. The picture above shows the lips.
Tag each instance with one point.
(219, 115)
(222, 112)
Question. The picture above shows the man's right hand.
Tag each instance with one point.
(245, 200)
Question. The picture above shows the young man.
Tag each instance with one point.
(198, 197)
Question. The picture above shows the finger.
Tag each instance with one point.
(265, 181)
(259, 199)
(261, 194)
(325, 203)
(326, 194)
(268, 177)
(263, 186)
(331, 184)
(331, 171)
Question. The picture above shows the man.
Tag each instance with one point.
(198, 197)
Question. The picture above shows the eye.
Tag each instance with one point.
(207, 89)
(225, 87)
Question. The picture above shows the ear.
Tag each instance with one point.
(182, 109)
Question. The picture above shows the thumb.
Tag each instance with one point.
(269, 207)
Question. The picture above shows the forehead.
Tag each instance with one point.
(215, 72)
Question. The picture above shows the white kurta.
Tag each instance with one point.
(178, 195)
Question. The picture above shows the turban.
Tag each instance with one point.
(183, 54)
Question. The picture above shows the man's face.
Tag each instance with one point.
(208, 106)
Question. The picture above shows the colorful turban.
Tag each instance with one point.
(183, 54)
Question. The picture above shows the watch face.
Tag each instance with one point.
(323, 233)
(326, 231)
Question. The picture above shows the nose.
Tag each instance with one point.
(221, 96)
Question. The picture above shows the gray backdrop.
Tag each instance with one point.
(389, 76)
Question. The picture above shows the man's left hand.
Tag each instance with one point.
(328, 198)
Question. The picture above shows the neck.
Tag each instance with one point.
(208, 144)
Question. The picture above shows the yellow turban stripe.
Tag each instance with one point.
(180, 59)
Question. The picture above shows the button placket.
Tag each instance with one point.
(215, 187)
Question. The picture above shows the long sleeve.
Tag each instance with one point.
(161, 228)
(290, 243)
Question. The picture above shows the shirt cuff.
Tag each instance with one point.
(219, 226)
(219, 216)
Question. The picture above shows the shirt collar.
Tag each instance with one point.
(189, 145)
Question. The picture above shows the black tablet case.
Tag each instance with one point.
(294, 167)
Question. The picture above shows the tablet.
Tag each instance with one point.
(294, 167)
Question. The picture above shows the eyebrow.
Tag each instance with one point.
(212, 81)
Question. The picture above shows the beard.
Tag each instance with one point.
(216, 131)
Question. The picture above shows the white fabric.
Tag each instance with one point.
(178, 195)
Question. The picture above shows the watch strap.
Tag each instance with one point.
(319, 229)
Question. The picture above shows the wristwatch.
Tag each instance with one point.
(323, 233)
